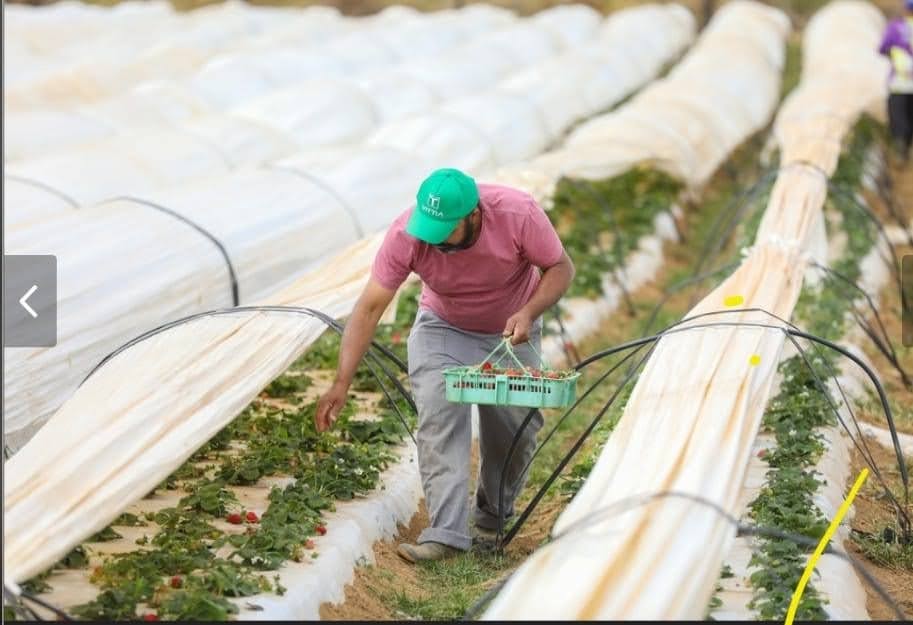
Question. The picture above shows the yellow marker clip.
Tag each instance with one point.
(733, 300)
(755, 360)
(806, 575)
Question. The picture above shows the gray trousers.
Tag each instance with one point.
(445, 432)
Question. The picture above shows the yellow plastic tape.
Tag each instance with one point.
(835, 522)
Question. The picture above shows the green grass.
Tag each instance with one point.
(894, 554)
(792, 71)
(454, 585)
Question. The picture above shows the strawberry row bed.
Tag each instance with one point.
(601, 222)
(208, 548)
(798, 413)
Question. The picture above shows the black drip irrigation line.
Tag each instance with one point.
(715, 241)
(616, 249)
(356, 223)
(893, 261)
(502, 539)
(816, 341)
(17, 597)
(794, 330)
(629, 503)
(860, 443)
(232, 275)
(790, 330)
(678, 286)
(731, 214)
(886, 348)
(44, 187)
(310, 312)
(883, 340)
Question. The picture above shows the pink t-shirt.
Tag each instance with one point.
(477, 289)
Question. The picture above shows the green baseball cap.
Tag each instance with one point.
(443, 199)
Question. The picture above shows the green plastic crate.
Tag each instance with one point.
(467, 385)
(470, 385)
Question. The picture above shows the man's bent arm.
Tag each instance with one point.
(554, 283)
(360, 328)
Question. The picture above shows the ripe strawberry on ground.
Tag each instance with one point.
(234, 518)
(150, 616)
(176, 581)
(252, 517)
(321, 529)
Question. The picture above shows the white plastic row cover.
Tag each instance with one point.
(220, 84)
(107, 67)
(367, 186)
(320, 113)
(687, 123)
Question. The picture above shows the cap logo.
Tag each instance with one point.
(432, 206)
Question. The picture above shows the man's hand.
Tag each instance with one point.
(355, 341)
(518, 327)
(330, 405)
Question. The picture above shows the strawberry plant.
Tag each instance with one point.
(76, 559)
(187, 606)
(37, 584)
(129, 520)
(211, 497)
(104, 536)
(288, 385)
(600, 223)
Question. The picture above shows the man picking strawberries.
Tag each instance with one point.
(490, 263)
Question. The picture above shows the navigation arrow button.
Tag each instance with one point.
(22, 301)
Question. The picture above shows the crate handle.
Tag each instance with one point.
(508, 350)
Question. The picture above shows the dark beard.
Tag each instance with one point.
(465, 242)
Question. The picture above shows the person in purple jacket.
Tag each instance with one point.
(897, 45)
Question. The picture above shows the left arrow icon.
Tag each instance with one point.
(25, 305)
